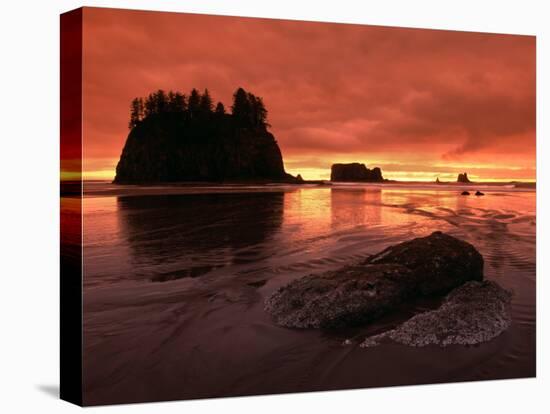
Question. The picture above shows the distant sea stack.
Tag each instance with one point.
(355, 172)
(463, 178)
(178, 138)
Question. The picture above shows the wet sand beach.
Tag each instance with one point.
(175, 283)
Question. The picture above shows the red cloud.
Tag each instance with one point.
(328, 87)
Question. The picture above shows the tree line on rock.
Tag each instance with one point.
(247, 110)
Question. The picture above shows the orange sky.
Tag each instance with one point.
(420, 104)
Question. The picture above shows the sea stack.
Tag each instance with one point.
(355, 172)
(463, 178)
(176, 139)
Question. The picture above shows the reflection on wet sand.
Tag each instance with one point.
(365, 207)
(176, 236)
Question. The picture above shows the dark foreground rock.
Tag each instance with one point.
(465, 193)
(473, 313)
(439, 262)
(355, 172)
(479, 193)
(360, 293)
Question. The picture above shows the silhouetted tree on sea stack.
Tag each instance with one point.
(193, 105)
(205, 103)
(220, 109)
(241, 106)
(137, 112)
(247, 111)
(176, 102)
(161, 101)
(258, 113)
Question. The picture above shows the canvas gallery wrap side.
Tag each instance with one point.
(258, 206)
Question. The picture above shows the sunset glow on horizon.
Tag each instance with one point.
(420, 104)
(444, 172)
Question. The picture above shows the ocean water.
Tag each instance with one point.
(176, 277)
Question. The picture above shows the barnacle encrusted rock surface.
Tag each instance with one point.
(473, 313)
(359, 293)
(348, 296)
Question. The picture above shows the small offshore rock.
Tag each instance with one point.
(479, 193)
(471, 314)
(463, 178)
(465, 193)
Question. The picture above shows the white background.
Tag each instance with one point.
(29, 151)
